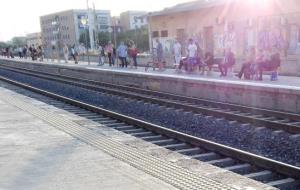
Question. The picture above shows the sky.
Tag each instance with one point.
(20, 17)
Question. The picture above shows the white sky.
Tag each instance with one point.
(19, 17)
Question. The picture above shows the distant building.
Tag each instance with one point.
(34, 38)
(67, 26)
(131, 20)
(116, 24)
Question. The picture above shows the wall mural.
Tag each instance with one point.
(272, 38)
(225, 40)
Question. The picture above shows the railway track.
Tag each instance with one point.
(270, 172)
(279, 121)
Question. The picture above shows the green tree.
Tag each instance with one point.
(103, 38)
(139, 36)
(18, 41)
(4, 45)
(84, 38)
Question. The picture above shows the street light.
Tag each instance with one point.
(84, 22)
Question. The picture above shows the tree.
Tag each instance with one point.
(84, 38)
(4, 45)
(139, 36)
(103, 38)
(18, 42)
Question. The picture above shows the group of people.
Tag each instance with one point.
(35, 52)
(257, 62)
(126, 53)
(194, 59)
(254, 66)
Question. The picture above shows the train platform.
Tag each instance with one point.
(43, 147)
(284, 82)
(35, 155)
(281, 95)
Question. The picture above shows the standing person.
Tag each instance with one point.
(159, 54)
(52, 52)
(33, 52)
(74, 54)
(192, 53)
(66, 53)
(101, 55)
(228, 61)
(20, 52)
(7, 52)
(40, 53)
(110, 53)
(133, 51)
(122, 54)
(177, 54)
(24, 51)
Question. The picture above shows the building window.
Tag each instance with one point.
(180, 33)
(164, 33)
(155, 34)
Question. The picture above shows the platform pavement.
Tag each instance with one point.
(35, 155)
(288, 82)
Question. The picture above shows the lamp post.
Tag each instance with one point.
(84, 22)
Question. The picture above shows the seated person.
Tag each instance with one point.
(229, 61)
(207, 61)
(271, 62)
(246, 67)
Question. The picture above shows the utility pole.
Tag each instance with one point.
(90, 26)
(95, 25)
(150, 32)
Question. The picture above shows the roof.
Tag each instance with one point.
(190, 6)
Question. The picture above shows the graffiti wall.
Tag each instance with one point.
(272, 38)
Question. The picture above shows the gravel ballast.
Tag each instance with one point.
(262, 141)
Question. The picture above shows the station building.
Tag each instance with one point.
(238, 24)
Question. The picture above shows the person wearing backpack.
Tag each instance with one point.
(133, 51)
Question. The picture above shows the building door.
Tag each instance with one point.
(209, 39)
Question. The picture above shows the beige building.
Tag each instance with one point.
(67, 26)
(34, 39)
(218, 24)
(131, 20)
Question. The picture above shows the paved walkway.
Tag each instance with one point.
(35, 155)
(288, 82)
